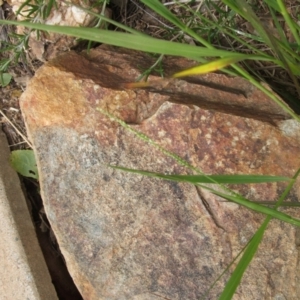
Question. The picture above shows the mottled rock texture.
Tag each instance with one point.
(125, 236)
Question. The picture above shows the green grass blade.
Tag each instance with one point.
(256, 207)
(288, 20)
(224, 272)
(126, 40)
(148, 44)
(214, 179)
(193, 179)
(106, 19)
(251, 249)
(244, 262)
(27, 2)
(161, 10)
(273, 4)
(279, 29)
(288, 188)
(164, 12)
(285, 204)
(48, 9)
(245, 10)
(272, 95)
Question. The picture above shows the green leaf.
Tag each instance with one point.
(5, 79)
(23, 162)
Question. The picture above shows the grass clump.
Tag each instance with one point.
(227, 36)
(16, 44)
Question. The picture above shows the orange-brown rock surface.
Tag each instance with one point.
(126, 236)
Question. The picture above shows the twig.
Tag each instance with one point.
(16, 129)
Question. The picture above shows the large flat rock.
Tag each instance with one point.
(126, 236)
